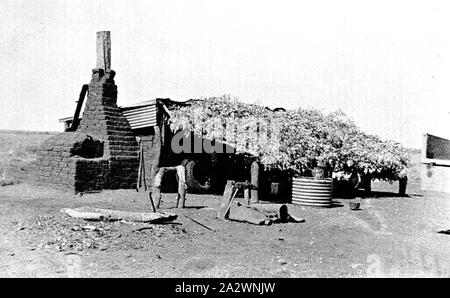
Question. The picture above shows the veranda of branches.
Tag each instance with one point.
(293, 140)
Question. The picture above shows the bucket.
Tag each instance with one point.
(274, 188)
(354, 205)
(308, 191)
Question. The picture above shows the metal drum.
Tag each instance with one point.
(308, 191)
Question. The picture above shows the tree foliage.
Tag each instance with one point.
(293, 140)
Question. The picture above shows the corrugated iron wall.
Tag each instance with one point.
(139, 117)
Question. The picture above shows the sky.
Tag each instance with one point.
(386, 64)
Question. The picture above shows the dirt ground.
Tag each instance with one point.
(390, 236)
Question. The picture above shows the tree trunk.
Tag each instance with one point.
(402, 186)
(367, 183)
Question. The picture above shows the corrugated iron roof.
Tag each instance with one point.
(139, 104)
(143, 114)
(139, 115)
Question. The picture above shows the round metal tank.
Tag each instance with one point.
(308, 191)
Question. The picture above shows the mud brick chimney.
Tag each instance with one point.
(103, 152)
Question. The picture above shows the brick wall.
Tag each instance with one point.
(54, 164)
(102, 120)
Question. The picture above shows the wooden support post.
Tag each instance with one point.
(226, 200)
(247, 194)
(402, 186)
(156, 189)
(254, 193)
(157, 158)
(76, 116)
(181, 194)
(367, 184)
(104, 50)
(151, 201)
(156, 195)
(144, 180)
(139, 179)
(181, 186)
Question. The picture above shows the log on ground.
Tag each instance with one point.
(273, 211)
(152, 217)
(94, 216)
(242, 213)
(137, 216)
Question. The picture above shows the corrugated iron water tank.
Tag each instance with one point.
(315, 192)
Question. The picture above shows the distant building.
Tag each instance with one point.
(435, 171)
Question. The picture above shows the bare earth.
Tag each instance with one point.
(390, 237)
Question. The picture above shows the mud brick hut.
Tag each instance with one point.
(102, 153)
(100, 147)
(149, 125)
(205, 173)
